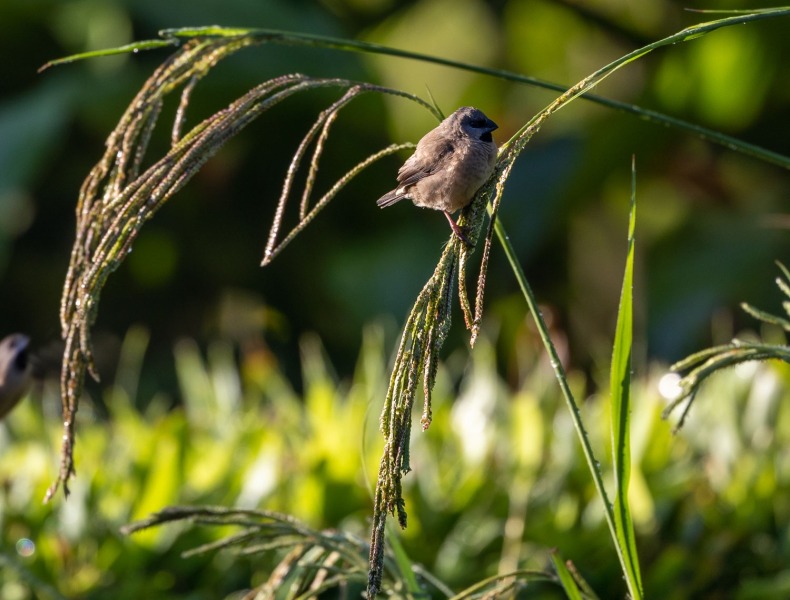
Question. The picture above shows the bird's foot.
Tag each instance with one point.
(457, 230)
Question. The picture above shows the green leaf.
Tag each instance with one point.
(566, 578)
(403, 561)
(127, 49)
(621, 412)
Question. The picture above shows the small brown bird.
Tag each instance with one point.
(15, 371)
(449, 165)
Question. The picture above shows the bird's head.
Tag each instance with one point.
(14, 356)
(473, 122)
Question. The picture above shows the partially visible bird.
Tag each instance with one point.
(16, 372)
(449, 165)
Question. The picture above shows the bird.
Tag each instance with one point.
(16, 371)
(449, 165)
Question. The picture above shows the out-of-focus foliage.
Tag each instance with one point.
(242, 438)
(498, 479)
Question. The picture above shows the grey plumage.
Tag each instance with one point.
(15, 371)
(449, 165)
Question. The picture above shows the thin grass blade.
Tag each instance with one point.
(402, 560)
(621, 413)
(127, 49)
(490, 586)
(567, 581)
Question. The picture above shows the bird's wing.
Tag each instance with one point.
(422, 164)
(431, 156)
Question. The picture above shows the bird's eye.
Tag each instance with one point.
(478, 123)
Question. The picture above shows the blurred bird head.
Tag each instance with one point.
(15, 371)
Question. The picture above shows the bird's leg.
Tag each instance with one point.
(456, 229)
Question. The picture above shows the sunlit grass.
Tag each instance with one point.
(724, 462)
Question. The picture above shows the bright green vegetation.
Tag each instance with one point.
(498, 463)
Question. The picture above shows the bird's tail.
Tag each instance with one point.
(390, 198)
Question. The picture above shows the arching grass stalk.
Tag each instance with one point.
(120, 195)
(703, 364)
(291, 38)
(311, 561)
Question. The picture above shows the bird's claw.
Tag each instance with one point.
(458, 231)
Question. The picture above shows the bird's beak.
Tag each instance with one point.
(490, 125)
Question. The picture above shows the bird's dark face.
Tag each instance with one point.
(476, 125)
(22, 358)
(16, 347)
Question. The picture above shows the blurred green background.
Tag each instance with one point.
(710, 222)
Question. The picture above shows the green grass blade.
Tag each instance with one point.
(562, 380)
(127, 49)
(582, 89)
(403, 561)
(617, 515)
(502, 585)
(690, 33)
(621, 412)
(174, 37)
(566, 579)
